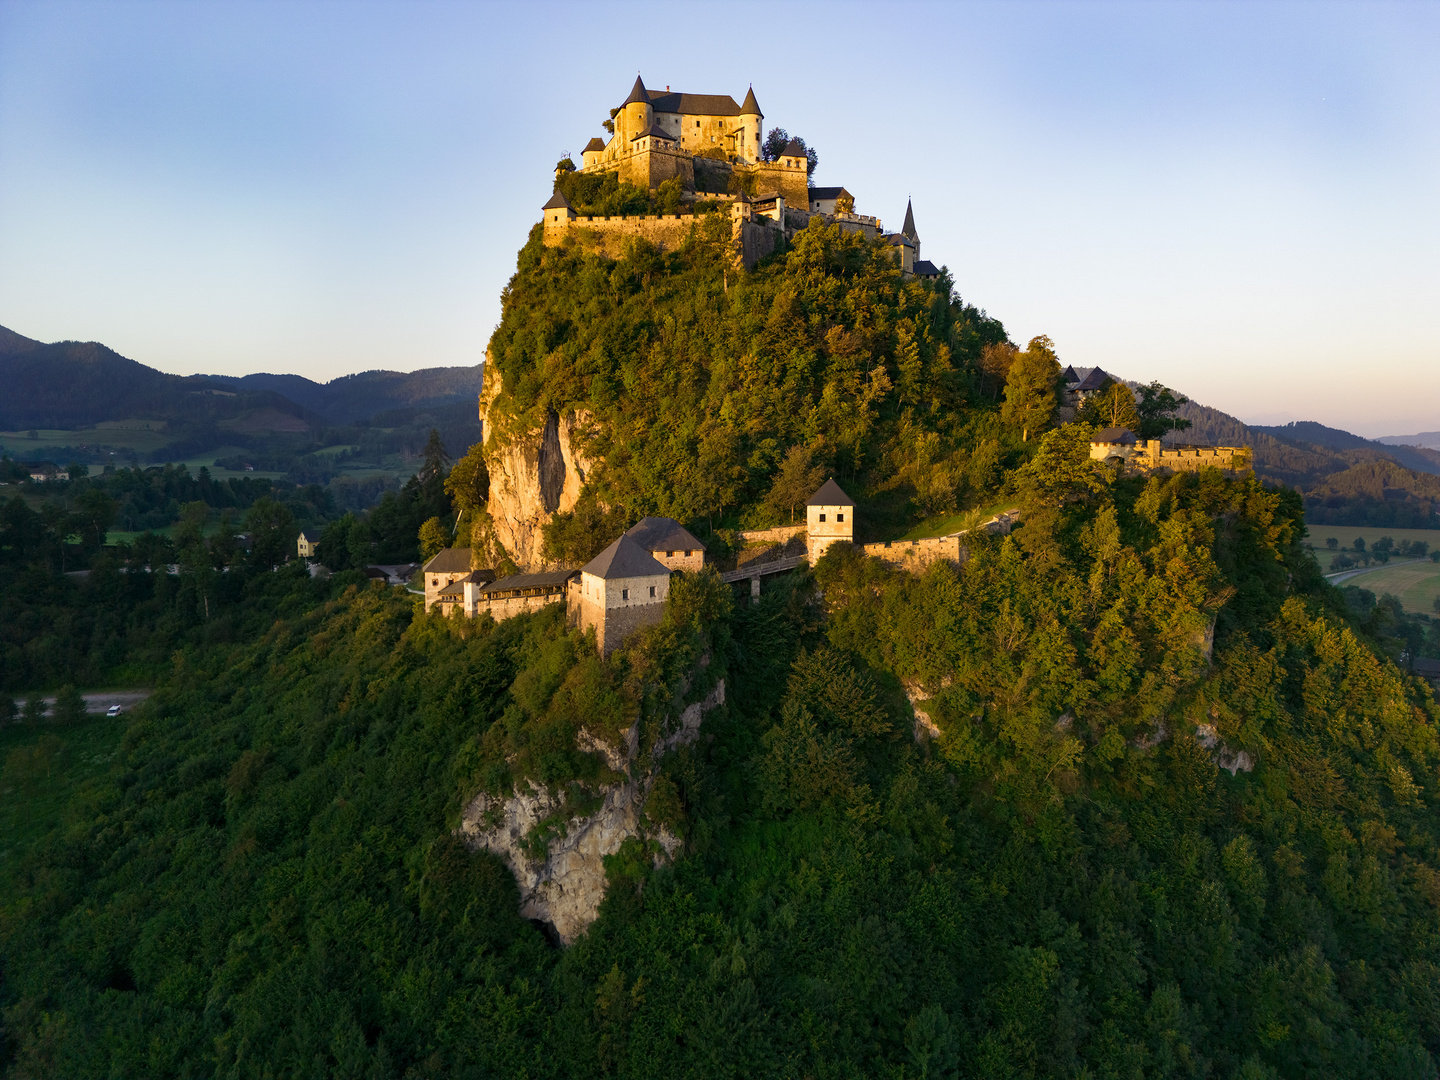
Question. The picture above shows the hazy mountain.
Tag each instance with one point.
(72, 384)
(1427, 439)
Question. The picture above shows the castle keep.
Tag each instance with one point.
(713, 148)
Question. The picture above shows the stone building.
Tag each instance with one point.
(514, 594)
(1112, 444)
(617, 592)
(1147, 455)
(443, 569)
(829, 517)
(669, 543)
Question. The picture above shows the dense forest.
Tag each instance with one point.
(1133, 792)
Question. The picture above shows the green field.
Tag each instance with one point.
(950, 523)
(1417, 584)
(40, 768)
(1346, 534)
(20, 446)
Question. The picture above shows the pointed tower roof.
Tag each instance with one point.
(626, 557)
(908, 229)
(750, 107)
(793, 149)
(557, 202)
(637, 93)
(830, 495)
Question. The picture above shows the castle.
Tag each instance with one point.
(714, 148)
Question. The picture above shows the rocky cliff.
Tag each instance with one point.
(564, 887)
(535, 471)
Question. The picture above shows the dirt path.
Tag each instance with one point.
(97, 701)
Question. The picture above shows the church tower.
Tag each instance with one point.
(908, 230)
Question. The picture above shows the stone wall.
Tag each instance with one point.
(607, 235)
(916, 555)
(612, 625)
(1230, 458)
(505, 606)
(772, 177)
(779, 534)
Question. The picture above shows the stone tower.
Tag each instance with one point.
(750, 118)
(636, 114)
(829, 517)
(908, 229)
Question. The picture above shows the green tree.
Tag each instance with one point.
(436, 457)
(272, 533)
(35, 709)
(69, 706)
(1112, 406)
(9, 712)
(1331, 543)
(798, 478)
(335, 551)
(1030, 388)
(94, 516)
(434, 537)
(468, 486)
(1157, 407)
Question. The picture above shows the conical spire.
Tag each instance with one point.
(751, 107)
(637, 93)
(908, 229)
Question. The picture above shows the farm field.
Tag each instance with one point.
(1346, 534)
(141, 440)
(1417, 584)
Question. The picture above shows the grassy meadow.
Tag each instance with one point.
(1417, 584)
(1346, 534)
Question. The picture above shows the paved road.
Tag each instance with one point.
(99, 701)
(1346, 575)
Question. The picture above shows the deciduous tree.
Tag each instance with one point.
(1030, 388)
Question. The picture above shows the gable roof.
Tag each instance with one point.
(449, 560)
(625, 558)
(663, 534)
(638, 93)
(656, 130)
(310, 536)
(830, 495)
(793, 149)
(546, 579)
(1094, 381)
(908, 229)
(828, 192)
(557, 202)
(1118, 435)
(596, 143)
(750, 107)
(695, 104)
(1068, 376)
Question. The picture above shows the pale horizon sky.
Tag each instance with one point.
(1236, 199)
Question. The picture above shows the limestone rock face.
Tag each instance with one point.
(533, 475)
(565, 887)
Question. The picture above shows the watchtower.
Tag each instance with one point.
(829, 517)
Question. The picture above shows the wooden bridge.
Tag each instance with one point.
(753, 572)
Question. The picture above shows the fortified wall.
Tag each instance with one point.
(916, 555)
(1151, 455)
(752, 236)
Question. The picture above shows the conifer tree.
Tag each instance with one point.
(1030, 388)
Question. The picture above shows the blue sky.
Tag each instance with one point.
(1237, 199)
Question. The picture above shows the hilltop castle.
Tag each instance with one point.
(714, 148)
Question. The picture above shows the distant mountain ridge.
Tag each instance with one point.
(70, 384)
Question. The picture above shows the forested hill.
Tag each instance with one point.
(1346, 479)
(1132, 792)
(68, 385)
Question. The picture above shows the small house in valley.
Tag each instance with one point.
(307, 543)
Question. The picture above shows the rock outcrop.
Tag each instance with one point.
(565, 886)
(533, 474)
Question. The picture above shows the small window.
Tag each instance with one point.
(652, 590)
(624, 594)
(822, 517)
(669, 554)
(839, 517)
(436, 582)
(688, 553)
(697, 123)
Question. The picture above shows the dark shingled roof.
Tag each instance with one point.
(926, 268)
(310, 536)
(1094, 381)
(655, 130)
(663, 534)
(528, 581)
(897, 239)
(557, 202)
(626, 557)
(793, 149)
(830, 495)
(908, 229)
(828, 193)
(1114, 435)
(750, 107)
(449, 561)
(694, 104)
(594, 144)
(637, 93)
(1068, 376)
